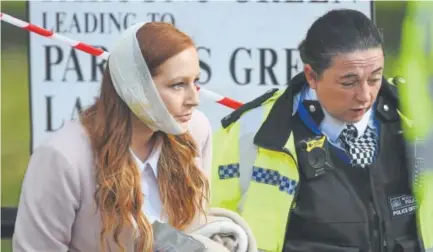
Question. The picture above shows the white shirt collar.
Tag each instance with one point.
(152, 160)
(331, 126)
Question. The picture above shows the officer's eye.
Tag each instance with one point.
(348, 84)
(374, 81)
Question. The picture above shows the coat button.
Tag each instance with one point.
(312, 108)
(386, 108)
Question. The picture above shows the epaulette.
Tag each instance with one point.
(388, 99)
(235, 115)
(390, 89)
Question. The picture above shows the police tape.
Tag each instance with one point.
(208, 94)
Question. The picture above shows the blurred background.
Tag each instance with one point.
(15, 119)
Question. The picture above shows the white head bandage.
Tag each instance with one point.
(134, 84)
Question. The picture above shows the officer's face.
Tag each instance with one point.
(349, 87)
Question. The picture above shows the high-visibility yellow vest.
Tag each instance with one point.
(416, 96)
(265, 208)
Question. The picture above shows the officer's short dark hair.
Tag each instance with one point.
(338, 31)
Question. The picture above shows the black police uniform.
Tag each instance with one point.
(349, 208)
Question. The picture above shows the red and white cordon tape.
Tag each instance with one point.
(228, 102)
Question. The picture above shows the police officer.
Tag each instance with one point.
(321, 165)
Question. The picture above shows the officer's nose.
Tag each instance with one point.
(363, 93)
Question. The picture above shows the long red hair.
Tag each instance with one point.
(183, 187)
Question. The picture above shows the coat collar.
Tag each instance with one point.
(277, 127)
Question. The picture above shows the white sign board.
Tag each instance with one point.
(246, 47)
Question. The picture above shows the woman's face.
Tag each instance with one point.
(176, 83)
(349, 87)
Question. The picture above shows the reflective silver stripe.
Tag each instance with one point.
(249, 124)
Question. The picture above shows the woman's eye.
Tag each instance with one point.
(177, 85)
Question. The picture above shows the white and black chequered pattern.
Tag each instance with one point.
(272, 177)
(228, 171)
(361, 150)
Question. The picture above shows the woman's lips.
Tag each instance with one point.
(184, 118)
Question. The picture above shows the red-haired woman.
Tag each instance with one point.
(140, 148)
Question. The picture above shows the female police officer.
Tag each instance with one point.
(321, 166)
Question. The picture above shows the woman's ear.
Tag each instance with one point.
(311, 76)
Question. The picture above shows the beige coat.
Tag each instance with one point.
(56, 211)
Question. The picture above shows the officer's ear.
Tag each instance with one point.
(311, 76)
